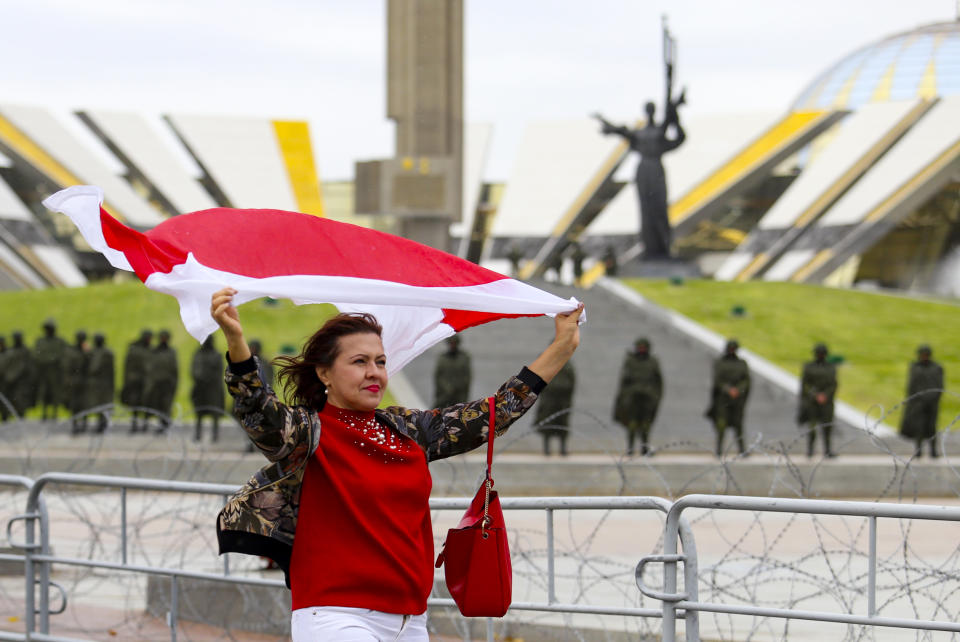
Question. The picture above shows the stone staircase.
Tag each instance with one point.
(502, 348)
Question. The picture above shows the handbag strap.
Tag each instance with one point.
(492, 406)
(488, 481)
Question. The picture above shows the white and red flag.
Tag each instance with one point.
(420, 295)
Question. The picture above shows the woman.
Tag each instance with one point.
(344, 506)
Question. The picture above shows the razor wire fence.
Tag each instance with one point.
(771, 560)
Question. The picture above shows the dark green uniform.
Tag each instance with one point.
(76, 364)
(19, 375)
(819, 378)
(731, 386)
(638, 397)
(924, 386)
(553, 408)
(134, 379)
(48, 353)
(100, 381)
(451, 376)
(207, 394)
(161, 382)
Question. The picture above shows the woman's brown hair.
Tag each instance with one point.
(298, 375)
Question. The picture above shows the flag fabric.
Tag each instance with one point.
(419, 294)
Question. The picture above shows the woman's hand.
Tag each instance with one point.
(567, 327)
(225, 314)
(565, 342)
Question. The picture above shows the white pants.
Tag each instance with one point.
(345, 624)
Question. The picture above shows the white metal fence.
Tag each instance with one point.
(30, 533)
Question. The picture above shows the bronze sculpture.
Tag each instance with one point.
(652, 142)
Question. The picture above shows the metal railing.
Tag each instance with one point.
(37, 557)
(30, 546)
(689, 602)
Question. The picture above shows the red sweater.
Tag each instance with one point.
(364, 537)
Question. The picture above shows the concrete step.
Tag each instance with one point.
(767, 472)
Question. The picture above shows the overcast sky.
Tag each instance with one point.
(525, 59)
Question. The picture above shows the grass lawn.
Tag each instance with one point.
(877, 334)
(122, 310)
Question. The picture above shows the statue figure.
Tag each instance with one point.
(652, 142)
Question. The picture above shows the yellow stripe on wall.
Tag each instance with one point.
(293, 138)
(928, 84)
(751, 270)
(946, 157)
(844, 181)
(819, 259)
(843, 96)
(754, 154)
(35, 155)
(28, 255)
(881, 92)
(943, 159)
(42, 161)
(12, 273)
(593, 275)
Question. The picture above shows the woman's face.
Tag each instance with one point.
(358, 377)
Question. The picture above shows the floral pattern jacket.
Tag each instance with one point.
(261, 518)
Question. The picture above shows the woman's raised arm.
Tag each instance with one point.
(278, 430)
(462, 427)
(225, 314)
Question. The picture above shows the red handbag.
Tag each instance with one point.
(476, 553)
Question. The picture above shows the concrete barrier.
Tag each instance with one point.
(667, 475)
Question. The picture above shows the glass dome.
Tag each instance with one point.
(923, 62)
